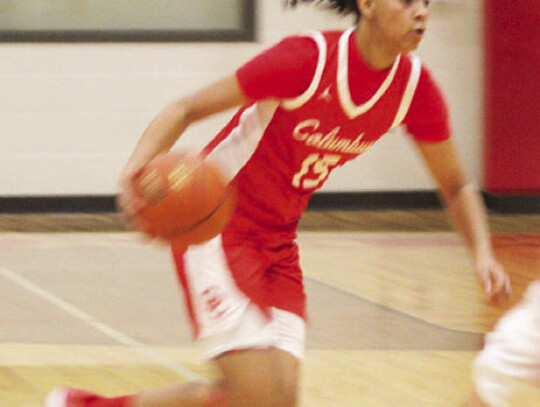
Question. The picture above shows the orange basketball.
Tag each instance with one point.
(188, 200)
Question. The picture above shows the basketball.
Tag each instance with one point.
(186, 198)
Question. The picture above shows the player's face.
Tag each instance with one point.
(400, 23)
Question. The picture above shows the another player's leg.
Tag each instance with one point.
(511, 354)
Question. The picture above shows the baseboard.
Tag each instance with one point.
(384, 200)
(58, 204)
(525, 204)
(407, 200)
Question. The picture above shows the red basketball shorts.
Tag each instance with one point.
(243, 293)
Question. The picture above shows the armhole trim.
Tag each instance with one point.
(295, 103)
(406, 100)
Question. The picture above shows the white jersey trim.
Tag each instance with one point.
(345, 98)
(291, 104)
(231, 154)
(416, 69)
(207, 270)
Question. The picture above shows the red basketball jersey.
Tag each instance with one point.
(278, 152)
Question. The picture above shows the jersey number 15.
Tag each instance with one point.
(315, 169)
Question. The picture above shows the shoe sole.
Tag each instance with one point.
(57, 398)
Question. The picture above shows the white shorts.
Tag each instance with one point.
(511, 353)
(285, 331)
(223, 317)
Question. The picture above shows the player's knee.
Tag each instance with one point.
(271, 391)
(285, 391)
(289, 395)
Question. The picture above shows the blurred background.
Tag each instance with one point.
(81, 79)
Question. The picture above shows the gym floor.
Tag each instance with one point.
(396, 315)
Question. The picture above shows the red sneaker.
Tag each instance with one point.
(68, 397)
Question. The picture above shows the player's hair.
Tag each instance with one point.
(341, 6)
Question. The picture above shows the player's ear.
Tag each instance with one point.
(366, 7)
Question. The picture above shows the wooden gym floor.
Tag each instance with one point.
(396, 316)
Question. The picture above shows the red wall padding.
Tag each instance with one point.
(512, 96)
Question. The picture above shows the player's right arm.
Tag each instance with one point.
(285, 70)
(282, 71)
(165, 129)
(173, 120)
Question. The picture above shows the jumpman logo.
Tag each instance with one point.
(325, 95)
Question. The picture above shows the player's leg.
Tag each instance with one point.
(191, 394)
(258, 348)
(262, 378)
(236, 333)
(266, 374)
(253, 377)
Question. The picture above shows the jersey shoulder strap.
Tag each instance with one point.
(410, 89)
(295, 103)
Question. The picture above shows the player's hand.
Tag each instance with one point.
(130, 204)
(493, 278)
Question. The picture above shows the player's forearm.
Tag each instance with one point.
(161, 134)
(172, 121)
(468, 213)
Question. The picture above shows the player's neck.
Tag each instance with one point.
(373, 49)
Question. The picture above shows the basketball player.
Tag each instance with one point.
(307, 105)
(511, 354)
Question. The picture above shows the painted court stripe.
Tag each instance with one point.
(97, 325)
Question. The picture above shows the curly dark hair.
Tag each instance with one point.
(341, 6)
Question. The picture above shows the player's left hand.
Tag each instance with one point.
(493, 278)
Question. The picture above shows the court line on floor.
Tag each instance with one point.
(105, 329)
